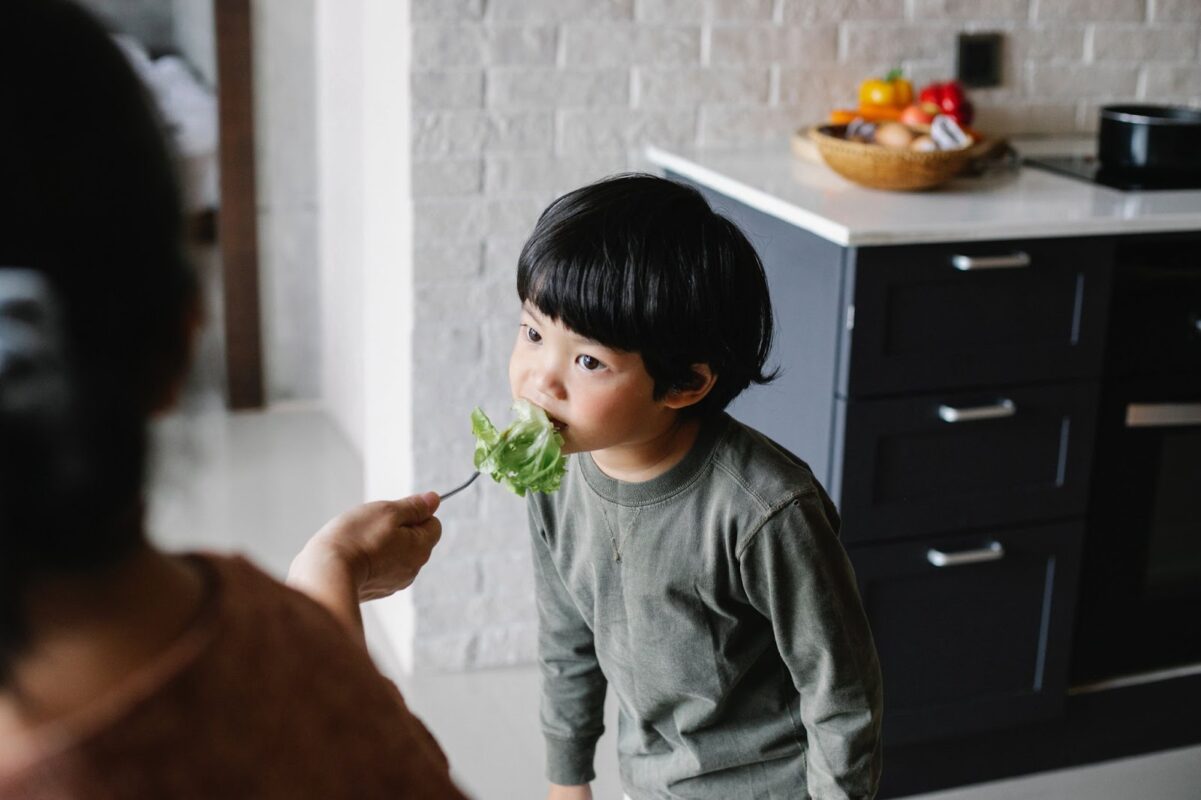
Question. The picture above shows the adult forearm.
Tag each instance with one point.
(331, 582)
(366, 553)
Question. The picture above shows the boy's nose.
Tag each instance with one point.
(547, 382)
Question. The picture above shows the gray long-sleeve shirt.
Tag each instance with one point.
(718, 603)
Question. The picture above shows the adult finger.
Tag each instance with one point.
(430, 530)
(415, 508)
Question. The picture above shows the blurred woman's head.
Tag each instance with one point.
(90, 239)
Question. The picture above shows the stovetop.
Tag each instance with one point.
(1088, 168)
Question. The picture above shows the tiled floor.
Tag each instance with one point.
(262, 483)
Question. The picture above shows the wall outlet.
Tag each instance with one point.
(978, 61)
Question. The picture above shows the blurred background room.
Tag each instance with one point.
(361, 175)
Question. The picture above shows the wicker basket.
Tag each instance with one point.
(887, 168)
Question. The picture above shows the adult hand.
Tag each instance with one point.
(582, 791)
(383, 544)
(368, 552)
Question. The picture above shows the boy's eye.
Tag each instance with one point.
(589, 363)
(531, 334)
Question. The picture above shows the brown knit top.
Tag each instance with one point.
(265, 696)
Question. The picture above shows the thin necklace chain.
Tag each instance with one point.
(613, 538)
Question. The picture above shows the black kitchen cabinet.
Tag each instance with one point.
(1160, 304)
(922, 463)
(971, 629)
(1010, 432)
(946, 395)
(973, 314)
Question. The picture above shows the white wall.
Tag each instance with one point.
(365, 246)
(388, 231)
(340, 189)
(285, 87)
(388, 285)
(365, 231)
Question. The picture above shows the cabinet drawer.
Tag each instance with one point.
(955, 460)
(1009, 313)
(978, 643)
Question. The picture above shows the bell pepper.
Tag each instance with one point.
(891, 91)
(950, 99)
(841, 116)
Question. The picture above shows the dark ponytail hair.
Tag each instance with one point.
(89, 204)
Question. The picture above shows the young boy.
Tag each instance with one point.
(687, 561)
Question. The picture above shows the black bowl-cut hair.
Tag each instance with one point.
(643, 265)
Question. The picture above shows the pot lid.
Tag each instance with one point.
(1153, 115)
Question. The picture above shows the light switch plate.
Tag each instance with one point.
(978, 60)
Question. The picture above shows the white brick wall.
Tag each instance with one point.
(516, 101)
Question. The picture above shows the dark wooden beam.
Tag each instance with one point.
(237, 223)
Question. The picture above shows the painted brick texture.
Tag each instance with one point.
(517, 101)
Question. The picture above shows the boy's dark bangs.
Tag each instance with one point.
(589, 292)
(642, 265)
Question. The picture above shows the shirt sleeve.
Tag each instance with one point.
(797, 574)
(573, 686)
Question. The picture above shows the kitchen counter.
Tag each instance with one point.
(1026, 203)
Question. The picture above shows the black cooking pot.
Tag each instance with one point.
(1141, 139)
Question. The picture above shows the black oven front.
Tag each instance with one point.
(1139, 615)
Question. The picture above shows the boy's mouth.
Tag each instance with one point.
(558, 424)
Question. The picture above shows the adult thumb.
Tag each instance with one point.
(417, 508)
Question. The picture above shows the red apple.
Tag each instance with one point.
(916, 114)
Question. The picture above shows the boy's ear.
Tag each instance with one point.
(690, 396)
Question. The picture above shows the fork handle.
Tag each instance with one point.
(460, 487)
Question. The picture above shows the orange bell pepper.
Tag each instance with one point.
(842, 116)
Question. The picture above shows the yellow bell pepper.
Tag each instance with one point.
(891, 91)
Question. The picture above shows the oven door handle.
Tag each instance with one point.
(1162, 415)
(993, 551)
(965, 263)
(998, 410)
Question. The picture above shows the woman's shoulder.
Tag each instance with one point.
(265, 696)
(283, 657)
(277, 647)
(244, 595)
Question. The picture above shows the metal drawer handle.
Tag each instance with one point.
(940, 558)
(1156, 415)
(965, 263)
(1003, 408)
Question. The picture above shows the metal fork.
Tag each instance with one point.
(460, 487)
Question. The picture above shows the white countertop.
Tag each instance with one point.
(1027, 203)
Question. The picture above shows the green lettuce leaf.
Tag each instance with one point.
(526, 456)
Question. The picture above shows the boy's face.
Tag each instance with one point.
(599, 398)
